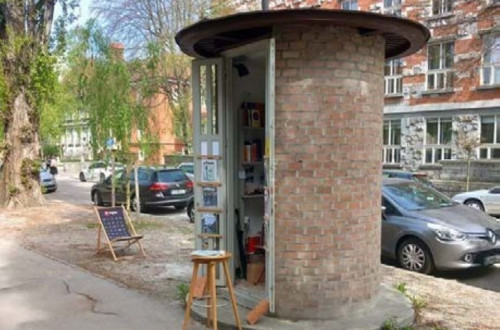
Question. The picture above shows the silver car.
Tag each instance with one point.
(423, 229)
(47, 181)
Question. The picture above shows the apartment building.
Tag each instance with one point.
(445, 96)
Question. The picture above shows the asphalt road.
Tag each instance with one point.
(73, 191)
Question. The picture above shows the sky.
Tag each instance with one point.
(83, 12)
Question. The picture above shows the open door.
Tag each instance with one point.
(209, 156)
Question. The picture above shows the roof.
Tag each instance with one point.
(390, 181)
(209, 38)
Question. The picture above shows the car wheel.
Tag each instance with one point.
(414, 255)
(475, 204)
(190, 212)
(82, 177)
(97, 199)
(102, 177)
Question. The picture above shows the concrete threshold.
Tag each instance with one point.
(389, 304)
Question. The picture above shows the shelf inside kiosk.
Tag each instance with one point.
(249, 105)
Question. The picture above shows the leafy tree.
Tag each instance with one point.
(149, 27)
(102, 85)
(27, 79)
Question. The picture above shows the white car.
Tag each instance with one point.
(188, 169)
(99, 170)
(484, 200)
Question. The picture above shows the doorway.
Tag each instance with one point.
(233, 114)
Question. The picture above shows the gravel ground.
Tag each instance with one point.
(69, 232)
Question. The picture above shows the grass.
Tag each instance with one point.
(182, 292)
(417, 303)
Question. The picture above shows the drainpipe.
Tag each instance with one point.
(265, 4)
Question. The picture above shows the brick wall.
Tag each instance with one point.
(329, 103)
(466, 26)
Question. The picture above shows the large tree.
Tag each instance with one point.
(148, 27)
(27, 79)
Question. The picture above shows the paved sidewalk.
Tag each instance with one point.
(39, 293)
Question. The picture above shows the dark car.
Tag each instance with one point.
(157, 187)
(419, 177)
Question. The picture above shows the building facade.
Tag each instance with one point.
(75, 141)
(444, 98)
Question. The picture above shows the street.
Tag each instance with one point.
(72, 190)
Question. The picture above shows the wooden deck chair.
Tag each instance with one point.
(116, 226)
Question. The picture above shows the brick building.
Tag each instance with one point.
(446, 93)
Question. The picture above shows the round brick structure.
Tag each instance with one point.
(328, 116)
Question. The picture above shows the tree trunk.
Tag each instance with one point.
(468, 173)
(19, 177)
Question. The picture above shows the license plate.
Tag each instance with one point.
(178, 192)
(492, 260)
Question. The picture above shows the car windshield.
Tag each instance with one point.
(413, 196)
(171, 176)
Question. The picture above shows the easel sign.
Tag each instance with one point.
(116, 226)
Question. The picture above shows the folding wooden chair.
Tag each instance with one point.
(115, 224)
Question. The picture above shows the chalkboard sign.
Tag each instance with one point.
(113, 220)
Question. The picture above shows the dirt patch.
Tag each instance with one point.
(69, 232)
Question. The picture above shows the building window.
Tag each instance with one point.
(392, 142)
(350, 5)
(440, 7)
(490, 138)
(392, 7)
(393, 80)
(490, 71)
(437, 140)
(440, 66)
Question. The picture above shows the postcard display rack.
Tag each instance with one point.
(252, 179)
(210, 209)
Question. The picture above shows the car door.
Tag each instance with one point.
(392, 221)
(492, 201)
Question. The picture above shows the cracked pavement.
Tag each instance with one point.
(40, 293)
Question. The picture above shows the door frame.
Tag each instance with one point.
(210, 138)
(267, 45)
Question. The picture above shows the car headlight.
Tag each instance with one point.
(446, 233)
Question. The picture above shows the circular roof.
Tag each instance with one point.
(208, 38)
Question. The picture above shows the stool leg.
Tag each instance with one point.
(231, 295)
(213, 295)
(190, 298)
(207, 293)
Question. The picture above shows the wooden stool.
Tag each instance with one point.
(211, 263)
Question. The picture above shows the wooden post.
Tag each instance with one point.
(137, 196)
(113, 192)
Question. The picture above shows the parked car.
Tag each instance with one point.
(187, 168)
(487, 200)
(419, 177)
(47, 181)
(98, 171)
(425, 230)
(157, 187)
